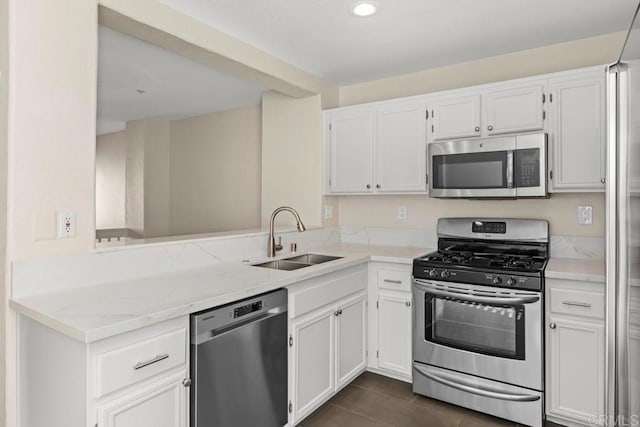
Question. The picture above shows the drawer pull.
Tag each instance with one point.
(156, 359)
(577, 304)
(397, 282)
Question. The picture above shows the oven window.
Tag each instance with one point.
(471, 170)
(487, 329)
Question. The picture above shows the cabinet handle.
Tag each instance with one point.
(408, 303)
(186, 382)
(368, 186)
(577, 304)
(397, 282)
(477, 129)
(377, 185)
(490, 127)
(552, 325)
(602, 180)
(156, 359)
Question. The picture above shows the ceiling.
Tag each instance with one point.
(172, 86)
(139, 80)
(320, 36)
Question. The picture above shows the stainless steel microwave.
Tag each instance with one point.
(501, 167)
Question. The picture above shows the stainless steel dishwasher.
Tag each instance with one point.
(239, 363)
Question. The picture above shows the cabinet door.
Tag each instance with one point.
(351, 145)
(578, 133)
(457, 117)
(351, 327)
(401, 149)
(575, 371)
(163, 404)
(313, 361)
(394, 332)
(515, 109)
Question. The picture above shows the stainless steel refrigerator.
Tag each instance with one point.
(623, 236)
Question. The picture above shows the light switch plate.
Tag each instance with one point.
(585, 215)
(328, 212)
(402, 212)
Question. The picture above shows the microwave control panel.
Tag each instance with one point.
(527, 167)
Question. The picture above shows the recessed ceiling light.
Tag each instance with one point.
(364, 8)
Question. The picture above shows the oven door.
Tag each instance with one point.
(472, 168)
(490, 332)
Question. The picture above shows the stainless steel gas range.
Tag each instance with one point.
(477, 339)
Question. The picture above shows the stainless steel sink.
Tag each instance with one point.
(313, 258)
(282, 264)
(297, 262)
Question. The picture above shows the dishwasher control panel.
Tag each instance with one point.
(246, 309)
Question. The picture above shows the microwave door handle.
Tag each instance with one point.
(510, 169)
(494, 394)
(489, 300)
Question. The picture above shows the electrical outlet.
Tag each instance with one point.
(585, 215)
(66, 225)
(328, 212)
(402, 212)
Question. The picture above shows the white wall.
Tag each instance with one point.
(111, 150)
(134, 176)
(547, 59)
(216, 172)
(291, 157)
(156, 177)
(51, 143)
(4, 99)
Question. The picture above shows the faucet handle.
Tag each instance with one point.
(278, 246)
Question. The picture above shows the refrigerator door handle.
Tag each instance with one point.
(611, 242)
(622, 273)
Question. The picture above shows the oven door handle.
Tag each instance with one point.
(493, 394)
(529, 299)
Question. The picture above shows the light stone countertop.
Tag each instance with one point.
(97, 312)
(588, 270)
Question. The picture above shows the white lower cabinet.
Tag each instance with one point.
(390, 317)
(162, 404)
(575, 343)
(327, 342)
(394, 332)
(132, 379)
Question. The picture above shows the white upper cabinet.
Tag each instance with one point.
(377, 150)
(380, 148)
(578, 132)
(401, 148)
(515, 109)
(505, 108)
(351, 147)
(455, 117)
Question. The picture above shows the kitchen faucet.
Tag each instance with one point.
(273, 247)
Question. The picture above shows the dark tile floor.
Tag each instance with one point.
(375, 400)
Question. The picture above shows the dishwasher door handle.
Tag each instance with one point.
(205, 336)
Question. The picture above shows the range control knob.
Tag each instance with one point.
(497, 280)
(433, 273)
(445, 274)
(511, 281)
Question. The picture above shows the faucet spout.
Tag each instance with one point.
(273, 247)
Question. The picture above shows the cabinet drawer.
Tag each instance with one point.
(309, 295)
(395, 280)
(130, 364)
(577, 303)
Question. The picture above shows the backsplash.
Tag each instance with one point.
(560, 247)
(112, 265)
(131, 262)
